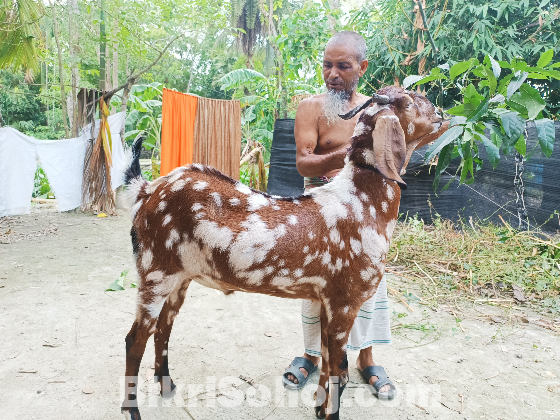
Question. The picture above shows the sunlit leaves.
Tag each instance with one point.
(516, 82)
(492, 150)
(479, 111)
(411, 80)
(545, 132)
(530, 99)
(484, 106)
(521, 146)
(496, 69)
(240, 77)
(459, 69)
(513, 125)
(545, 58)
(444, 140)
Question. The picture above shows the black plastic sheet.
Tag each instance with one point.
(490, 196)
(283, 177)
(493, 192)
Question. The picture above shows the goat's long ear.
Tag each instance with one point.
(389, 147)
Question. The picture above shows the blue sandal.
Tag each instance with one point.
(298, 362)
(383, 380)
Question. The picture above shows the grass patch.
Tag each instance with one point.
(477, 261)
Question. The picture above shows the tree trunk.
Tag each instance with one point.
(284, 103)
(115, 59)
(124, 102)
(102, 46)
(108, 72)
(189, 83)
(270, 17)
(73, 13)
(60, 72)
(334, 5)
(47, 76)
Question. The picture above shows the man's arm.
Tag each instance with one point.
(307, 135)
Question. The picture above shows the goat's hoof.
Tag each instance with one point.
(131, 413)
(168, 388)
(320, 412)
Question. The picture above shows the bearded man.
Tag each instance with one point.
(322, 140)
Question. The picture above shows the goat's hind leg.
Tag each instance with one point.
(161, 338)
(142, 328)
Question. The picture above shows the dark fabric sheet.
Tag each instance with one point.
(492, 194)
(283, 178)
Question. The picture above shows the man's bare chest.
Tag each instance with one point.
(334, 137)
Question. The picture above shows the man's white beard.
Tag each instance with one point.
(335, 103)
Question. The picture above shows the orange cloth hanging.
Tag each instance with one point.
(177, 129)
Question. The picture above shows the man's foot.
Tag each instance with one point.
(312, 359)
(365, 359)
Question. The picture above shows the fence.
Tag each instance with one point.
(493, 193)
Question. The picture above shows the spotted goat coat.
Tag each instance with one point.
(329, 245)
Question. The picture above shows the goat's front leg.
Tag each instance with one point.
(337, 332)
(320, 395)
(161, 339)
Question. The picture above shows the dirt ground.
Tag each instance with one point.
(63, 354)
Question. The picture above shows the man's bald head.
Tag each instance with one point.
(352, 40)
(344, 63)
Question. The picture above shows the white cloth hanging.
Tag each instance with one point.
(62, 161)
(18, 163)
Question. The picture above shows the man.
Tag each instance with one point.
(322, 140)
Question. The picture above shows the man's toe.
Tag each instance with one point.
(384, 388)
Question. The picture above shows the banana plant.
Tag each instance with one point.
(498, 96)
(260, 96)
(145, 118)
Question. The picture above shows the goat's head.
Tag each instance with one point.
(398, 121)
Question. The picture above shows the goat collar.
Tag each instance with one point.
(402, 185)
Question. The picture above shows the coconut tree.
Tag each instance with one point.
(19, 27)
(245, 15)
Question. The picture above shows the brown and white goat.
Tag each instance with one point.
(329, 245)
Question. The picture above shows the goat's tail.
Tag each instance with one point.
(133, 179)
(133, 171)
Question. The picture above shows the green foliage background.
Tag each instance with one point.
(224, 37)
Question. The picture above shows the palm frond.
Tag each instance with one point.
(19, 33)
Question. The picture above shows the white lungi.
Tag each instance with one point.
(372, 325)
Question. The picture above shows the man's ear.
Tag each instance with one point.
(363, 67)
(389, 147)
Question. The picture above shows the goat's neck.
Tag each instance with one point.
(372, 189)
